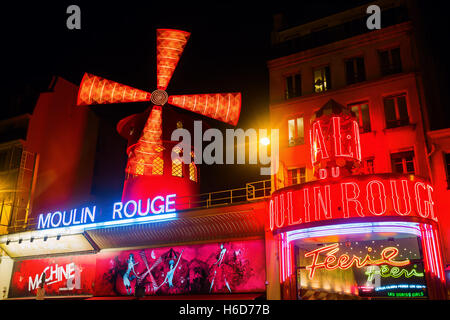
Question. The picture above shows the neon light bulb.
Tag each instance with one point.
(324, 204)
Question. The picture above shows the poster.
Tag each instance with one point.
(228, 267)
(69, 275)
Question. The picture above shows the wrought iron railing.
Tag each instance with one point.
(253, 191)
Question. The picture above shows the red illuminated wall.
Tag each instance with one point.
(64, 136)
(199, 269)
(61, 274)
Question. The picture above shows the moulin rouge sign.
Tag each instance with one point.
(351, 197)
(340, 191)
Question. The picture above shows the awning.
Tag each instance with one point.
(183, 229)
(218, 223)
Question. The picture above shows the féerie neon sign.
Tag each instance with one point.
(394, 272)
(152, 209)
(344, 262)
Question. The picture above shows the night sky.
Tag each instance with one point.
(227, 52)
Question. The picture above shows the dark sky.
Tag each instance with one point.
(227, 51)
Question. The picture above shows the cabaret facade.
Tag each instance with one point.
(353, 213)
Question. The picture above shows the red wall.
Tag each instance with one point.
(64, 136)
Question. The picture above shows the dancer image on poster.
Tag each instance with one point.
(128, 277)
(218, 267)
(169, 276)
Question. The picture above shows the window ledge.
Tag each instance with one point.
(411, 126)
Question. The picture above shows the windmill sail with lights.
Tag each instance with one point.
(145, 157)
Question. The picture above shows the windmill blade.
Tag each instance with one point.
(146, 157)
(225, 107)
(97, 90)
(169, 47)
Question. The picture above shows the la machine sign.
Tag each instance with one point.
(351, 197)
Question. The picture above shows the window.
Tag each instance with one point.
(177, 168)
(296, 132)
(322, 79)
(361, 111)
(293, 86)
(10, 158)
(4, 163)
(403, 162)
(296, 176)
(193, 171)
(158, 166)
(396, 111)
(355, 71)
(140, 167)
(390, 61)
(447, 168)
(368, 166)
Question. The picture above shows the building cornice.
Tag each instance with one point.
(439, 134)
(334, 47)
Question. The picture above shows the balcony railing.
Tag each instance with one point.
(253, 191)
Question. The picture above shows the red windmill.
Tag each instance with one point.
(146, 173)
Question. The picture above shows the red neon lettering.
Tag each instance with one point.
(431, 203)
(271, 215)
(279, 212)
(306, 204)
(406, 198)
(346, 199)
(345, 262)
(338, 139)
(322, 205)
(290, 211)
(419, 200)
(317, 143)
(357, 140)
(335, 172)
(323, 174)
(381, 196)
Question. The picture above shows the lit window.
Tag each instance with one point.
(447, 167)
(361, 111)
(403, 162)
(355, 71)
(177, 168)
(158, 166)
(140, 167)
(293, 86)
(296, 176)
(396, 111)
(322, 79)
(390, 61)
(296, 131)
(368, 166)
(193, 172)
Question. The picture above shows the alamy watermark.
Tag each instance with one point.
(221, 150)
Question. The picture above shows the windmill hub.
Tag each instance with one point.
(159, 97)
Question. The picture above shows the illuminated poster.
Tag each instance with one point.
(72, 275)
(228, 267)
(394, 282)
(389, 267)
